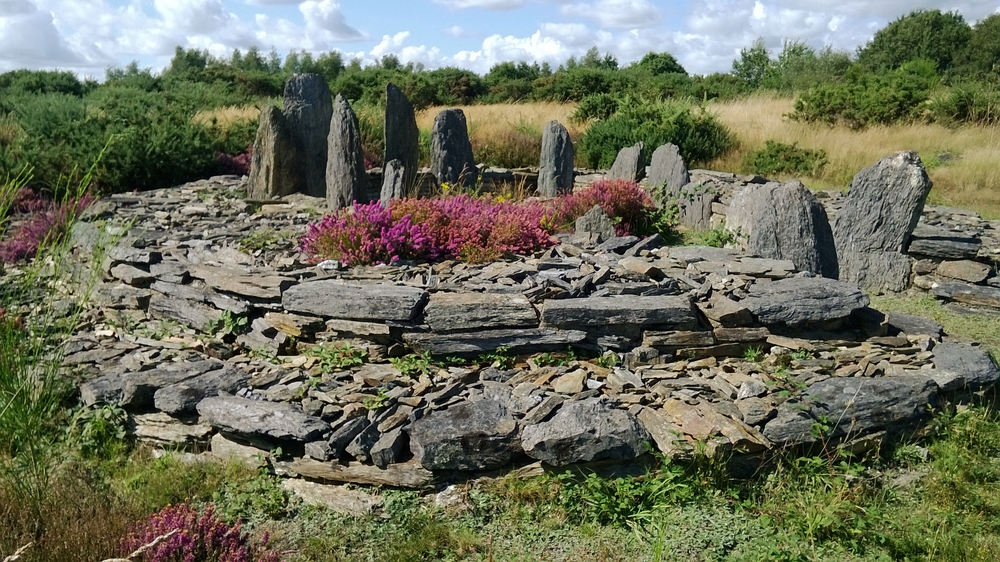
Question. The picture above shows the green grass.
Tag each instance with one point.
(985, 330)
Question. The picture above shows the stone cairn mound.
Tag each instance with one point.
(720, 351)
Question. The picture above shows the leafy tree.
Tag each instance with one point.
(660, 63)
(753, 65)
(931, 35)
(593, 59)
(982, 55)
(40, 82)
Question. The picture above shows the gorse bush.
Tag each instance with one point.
(698, 134)
(474, 229)
(782, 158)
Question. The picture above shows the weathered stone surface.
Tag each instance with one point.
(973, 365)
(389, 448)
(594, 227)
(276, 164)
(182, 397)
(403, 475)
(555, 172)
(942, 243)
(401, 134)
(393, 182)
(629, 165)
(696, 209)
(914, 325)
(335, 498)
(451, 151)
(370, 301)
(475, 343)
(308, 110)
(873, 226)
(667, 171)
(201, 295)
(479, 435)
(138, 389)
(260, 419)
(964, 270)
(457, 312)
(228, 280)
(229, 450)
(346, 177)
(585, 430)
(162, 429)
(726, 311)
(784, 221)
(199, 316)
(854, 406)
(797, 301)
(675, 312)
(665, 433)
(976, 295)
(570, 383)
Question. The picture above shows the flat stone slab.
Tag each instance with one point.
(977, 295)
(964, 367)
(474, 343)
(583, 431)
(458, 312)
(355, 301)
(804, 300)
(674, 312)
(402, 475)
(258, 418)
(479, 435)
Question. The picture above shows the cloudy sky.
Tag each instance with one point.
(705, 35)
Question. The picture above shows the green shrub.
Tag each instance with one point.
(594, 107)
(698, 134)
(780, 158)
(968, 102)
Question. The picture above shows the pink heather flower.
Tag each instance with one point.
(47, 225)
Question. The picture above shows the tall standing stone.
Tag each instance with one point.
(873, 227)
(393, 182)
(667, 171)
(401, 135)
(555, 173)
(308, 110)
(346, 178)
(785, 222)
(629, 164)
(276, 165)
(451, 151)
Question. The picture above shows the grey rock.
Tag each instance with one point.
(696, 209)
(346, 177)
(457, 312)
(973, 365)
(478, 435)
(260, 419)
(308, 112)
(518, 341)
(594, 227)
(401, 134)
(182, 397)
(784, 221)
(964, 270)
(975, 295)
(139, 389)
(345, 434)
(873, 226)
(583, 431)
(393, 182)
(389, 448)
(555, 171)
(667, 311)
(201, 294)
(362, 444)
(914, 325)
(667, 171)
(854, 406)
(756, 410)
(352, 301)
(629, 165)
(451, 150)
(797, 301)
(131, 275)
(276, 164)
(943, 243)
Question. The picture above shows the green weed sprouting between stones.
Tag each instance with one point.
(335, 358)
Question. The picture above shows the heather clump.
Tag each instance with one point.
(194, 538)
(470, 228)
(238, 165)
(47, 222)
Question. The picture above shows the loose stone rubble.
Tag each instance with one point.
(715, 351)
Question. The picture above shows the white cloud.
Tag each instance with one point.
(29, 38)
(618, 14)
(326, 22)
(458, 31)
(484, 4)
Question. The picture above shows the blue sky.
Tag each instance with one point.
(86, 36)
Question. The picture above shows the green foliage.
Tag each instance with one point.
(938, 37)
(968, 101)
(595, 107)
(414, 364)
(781, 158)
(376, 402)
(753, 353)
(979, 59)
(754, 64)
(716, 238)
(608, 360)
(230, 324)
(500, 358)
(258, 499)
(336, 358)
(100, 431)
(659, 63)
(698, 134)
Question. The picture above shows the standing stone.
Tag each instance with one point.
(784, 222)
(401, 135)
(629, 165)
(451, 151)
(393, 182)
(555, 173)
(667, 171)
(694, 203)
(308, 110)
(276, 166)
(594, 227)
(345, 166)
(873, 227)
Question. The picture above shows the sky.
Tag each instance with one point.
(87, 36)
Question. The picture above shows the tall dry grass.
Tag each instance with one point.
(508, 135)
(970, 179)
(227, 117)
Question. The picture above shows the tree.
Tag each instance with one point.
(187, 60)
(660, 63)
(593, 59)
(982, 54)
(753, 64)
(931, 35)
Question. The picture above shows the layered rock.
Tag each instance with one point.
(451, 151)
(308, 110)
(402, 138)
(555, 170)
(276, 164)
(345, 167)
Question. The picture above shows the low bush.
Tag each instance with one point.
(699, 134)
(781, 158)
(595, 107)
(47, 223)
